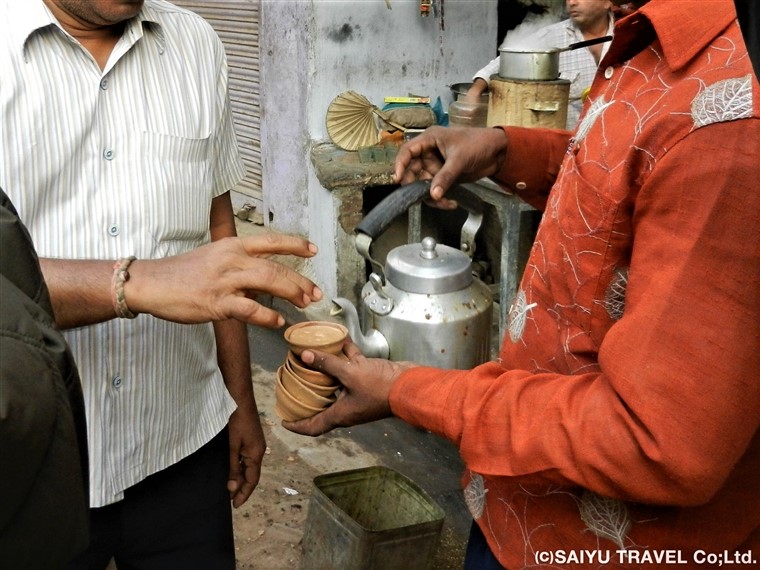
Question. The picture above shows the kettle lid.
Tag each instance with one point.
(428, 267)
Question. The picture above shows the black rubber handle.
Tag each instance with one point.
(393, 205)
(586, 43)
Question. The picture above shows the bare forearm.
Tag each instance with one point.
(231, 336)
(80, 290)
(214, 282)
(479, 86)
(234, 361)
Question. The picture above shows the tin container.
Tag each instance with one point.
(370, 519)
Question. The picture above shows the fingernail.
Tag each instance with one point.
(307, 357)
(280, 321)
(317, 293)
(313, 248)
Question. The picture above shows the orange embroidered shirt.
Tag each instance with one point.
(620, 423)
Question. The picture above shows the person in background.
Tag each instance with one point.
(588, 19)
(43, 442)
(621, 417)
(117, 151)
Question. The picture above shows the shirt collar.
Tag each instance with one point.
(611, 24)
(683, 29)
(31, 16)
(27, 18)
(571, 29)
(610, 32)
(148, 19)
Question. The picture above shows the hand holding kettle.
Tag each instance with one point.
(366, 382)
(448, 155)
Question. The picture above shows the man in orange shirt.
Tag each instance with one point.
(619, 426)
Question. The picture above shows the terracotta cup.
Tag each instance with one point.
(318, 335)
(287, 406)
(297, 388)
(324, 390)
(306, 373)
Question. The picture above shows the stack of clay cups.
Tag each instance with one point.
(300, 391)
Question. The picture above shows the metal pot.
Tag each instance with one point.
(424, 305)
(459, 91)
(537, 64)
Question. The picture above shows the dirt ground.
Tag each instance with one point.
(270, 526)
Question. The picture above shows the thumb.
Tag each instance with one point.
(441, 182)
(233, 479)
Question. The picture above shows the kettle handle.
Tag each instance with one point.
(393, 205)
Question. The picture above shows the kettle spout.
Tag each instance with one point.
(373, 344)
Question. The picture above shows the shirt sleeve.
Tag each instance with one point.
(676, 402)
(486, 72)
(532, 163)
(229, 167)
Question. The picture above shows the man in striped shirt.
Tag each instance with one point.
(116, 143)
(43, 442)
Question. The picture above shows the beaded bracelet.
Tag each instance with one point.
(121, 276)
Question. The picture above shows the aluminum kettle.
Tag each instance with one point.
(424, 305)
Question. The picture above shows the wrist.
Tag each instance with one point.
(119, 279)
(500, 147)
(133, 287)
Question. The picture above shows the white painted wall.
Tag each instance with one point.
(312, 50)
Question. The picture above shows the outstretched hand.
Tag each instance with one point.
(366, 387)
(220, 281)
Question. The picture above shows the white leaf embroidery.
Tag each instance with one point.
(726, 100)
(475, 495)
(614, 300)
(517, 315)
(605, 517)
(594, 111)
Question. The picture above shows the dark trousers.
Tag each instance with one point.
(479, 555)
(178, 518)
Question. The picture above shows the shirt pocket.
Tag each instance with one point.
(178, 175)
(589, 232)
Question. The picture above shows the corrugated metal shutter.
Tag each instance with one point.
(237, 23)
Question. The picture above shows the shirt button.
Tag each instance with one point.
(108, 154)
(521, 185)
(113, 230)
(104, 84)
(116, 381)
(608, 72)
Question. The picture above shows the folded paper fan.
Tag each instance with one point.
(350, 121)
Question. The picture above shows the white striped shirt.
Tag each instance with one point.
(577, 66)
(124, 161)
